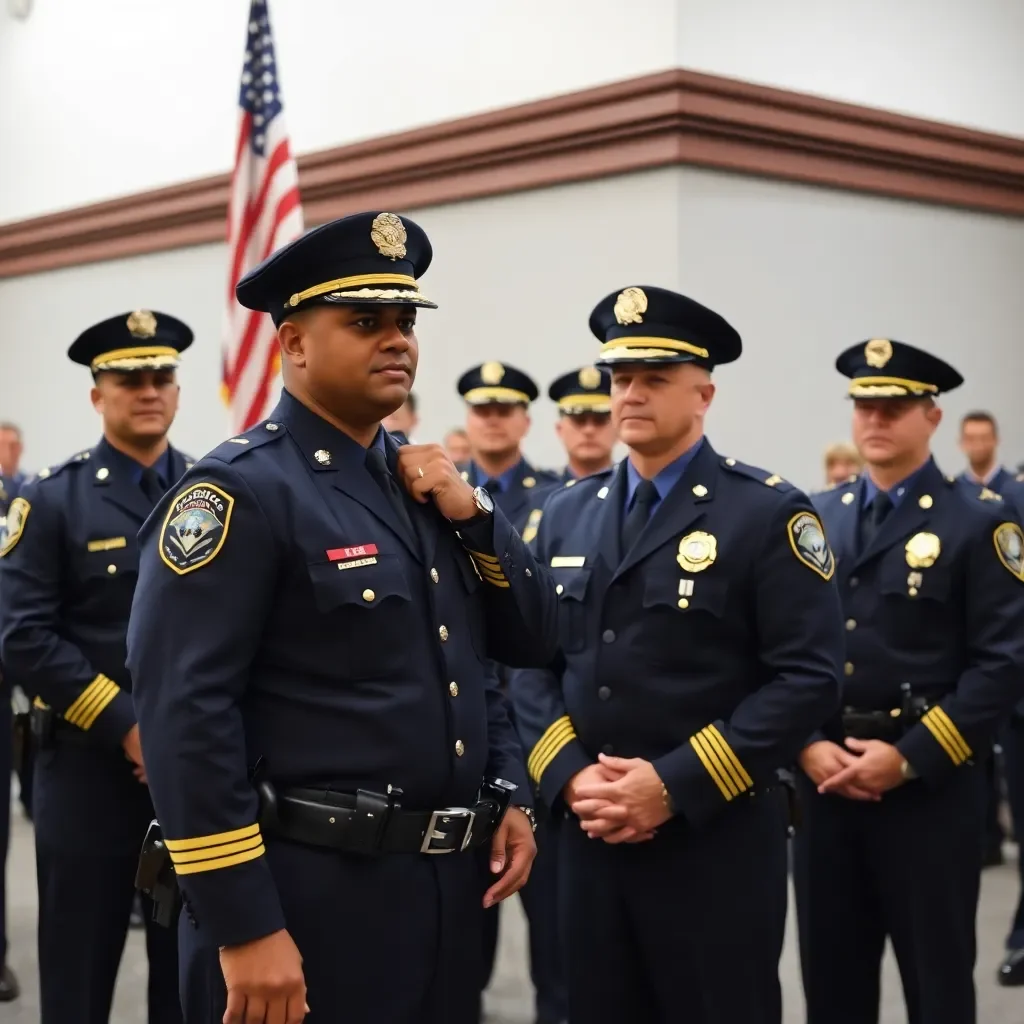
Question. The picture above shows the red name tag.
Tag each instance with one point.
(341, 554)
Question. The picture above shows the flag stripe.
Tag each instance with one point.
(264, 213)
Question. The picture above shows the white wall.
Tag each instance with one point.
(108, 97)
(801, 272)
(960, 61)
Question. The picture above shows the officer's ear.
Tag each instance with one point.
(291, 336)
(933, 414)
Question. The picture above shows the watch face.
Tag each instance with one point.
(483, 499)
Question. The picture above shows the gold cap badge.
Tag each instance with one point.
(387, 232)
(492, 373)
(630, 306)
(142, 324)
(878, 352)
(590, 377)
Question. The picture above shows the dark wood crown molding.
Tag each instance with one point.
(671, 118)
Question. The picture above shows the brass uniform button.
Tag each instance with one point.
(851, 624)
(434, 576)
(460, 748)
(683, 603)
(848, 668)
(368, 595)
(443, 633)
(111, 569)
(453, 688)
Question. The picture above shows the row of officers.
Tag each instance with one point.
(365, 691)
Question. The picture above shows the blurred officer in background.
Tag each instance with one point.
(456, 445)
(842, 462)
(310, 746)
(584, 424)
(402, 423)
(701, 641)
(498, 398)
(67, 575)
(932, 585)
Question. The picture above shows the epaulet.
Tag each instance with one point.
(762, 476)
(539, 478)
(593, 486)
(48, 472)
(234, 447)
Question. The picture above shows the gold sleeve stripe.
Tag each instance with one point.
(488, 569)
(696, 743)
(217, 852)
(548, 747)
(216, 839)
(479, 556)
(492, 572)
(948, 736)
(221, 862)
(86, 707)
(729, 756)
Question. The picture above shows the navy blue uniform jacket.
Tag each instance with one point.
(307, 636)
(713, 649)
(67, 577)
(937, 602)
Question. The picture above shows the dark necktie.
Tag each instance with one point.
(377, 466)
(644, 497)
(151, 486)
(879, 509)
(493, 487)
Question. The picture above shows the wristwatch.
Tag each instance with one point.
(484, 505)
(907, 770)
(528, 811)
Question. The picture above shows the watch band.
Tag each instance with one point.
(528, 811)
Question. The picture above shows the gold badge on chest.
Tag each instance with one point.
(922, 550)
(697, 551)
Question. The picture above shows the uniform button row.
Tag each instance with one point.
(453, 688)
(851, 624)
(460, 748)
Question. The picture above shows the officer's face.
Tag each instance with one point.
(139, 406)
(10, 450)
(496, 428)
(357, 362)
(656, 407)
(978, 442)
(587, 437)
(456, 446)
(890, 430)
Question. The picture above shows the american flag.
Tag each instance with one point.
(264, 213)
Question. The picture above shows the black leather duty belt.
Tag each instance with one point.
(372, 823)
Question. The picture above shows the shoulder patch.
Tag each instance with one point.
(531, 525)
(14, 525)
(1009, 542)
(761, 476)
(807, 539)
(240, 444)
(195, 527)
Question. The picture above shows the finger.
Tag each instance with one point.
(611, 791)
(297, 1007)
(513, 879)
(643, 837)
(235, 1011)
(599, 809)
(598, 828)
(845, 757)
(498, 845)
(855, 744)
(859, 793)
(622, 835)
(838, 780)
(277, 1009)
(255, 1010)
(619, 764)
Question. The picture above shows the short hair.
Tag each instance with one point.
(13, 427)
(410, 401)
(842, 450)
(979, 416)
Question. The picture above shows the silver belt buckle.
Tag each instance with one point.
(445, 817)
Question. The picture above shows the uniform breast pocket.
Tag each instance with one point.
(571, 586)
(915, 601)
(361, 589)
(686, 596)
(110, 565)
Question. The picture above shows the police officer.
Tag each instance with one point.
(584, 426)
(10, 483)
(68, 571)
(701, 641)
(893, 801)
(498, 398)
(309, 639)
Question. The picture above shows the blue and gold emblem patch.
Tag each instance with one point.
(14, 525)
(196, 527)
(1009, 541)
(807, 538)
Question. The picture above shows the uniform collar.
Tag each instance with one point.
(119, 464)
(666, 479)
(323, 444)
(507, 479)
(896, 494)
(968, 477)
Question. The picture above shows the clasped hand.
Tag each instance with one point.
(863, 770)
(619, 800)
